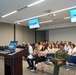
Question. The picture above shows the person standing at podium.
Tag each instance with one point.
(29, 57)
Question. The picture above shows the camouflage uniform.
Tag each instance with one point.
(62, 56)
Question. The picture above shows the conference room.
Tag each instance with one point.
(31, 25)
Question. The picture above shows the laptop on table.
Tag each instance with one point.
(11, 48)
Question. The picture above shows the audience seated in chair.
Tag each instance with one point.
(29, 57)
(72, 50)
(41, 55)
(67, 46)
(31, 60)
(59, 59)
(45, 49)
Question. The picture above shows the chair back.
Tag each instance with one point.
(50, 54)
(72, 59)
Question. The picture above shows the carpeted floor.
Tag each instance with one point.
(48, 69)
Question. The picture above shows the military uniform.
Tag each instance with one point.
(58, 60)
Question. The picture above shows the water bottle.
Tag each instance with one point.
(42, 69)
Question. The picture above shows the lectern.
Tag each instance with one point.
(13, 62)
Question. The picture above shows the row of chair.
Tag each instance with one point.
(2, 48)
(71, 59)
(70, 67)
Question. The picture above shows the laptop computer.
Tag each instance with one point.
(12, 46)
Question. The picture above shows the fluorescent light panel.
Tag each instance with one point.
(8, 14)
(20, 9)
(46, 21)
(64, 9)
(30, 18)
(35, 3)
(46, 14)
(66, 17)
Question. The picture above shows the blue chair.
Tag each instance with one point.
(72, 59)
(50, 54)
(47, 60)
(6, 47)
(2, 48)
(71, 63)
(70, 66)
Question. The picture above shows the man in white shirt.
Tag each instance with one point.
(67, 47)
(30, 50)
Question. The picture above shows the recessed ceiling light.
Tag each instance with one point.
(54, 14)
(66, 17)
(51, 14)
(18, 23)
(46, 21)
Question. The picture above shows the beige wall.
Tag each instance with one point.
(60, 32)
(63, 34)
(55, 26)
(6, 33)
(23, 34)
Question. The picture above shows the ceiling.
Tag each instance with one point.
(7, 6)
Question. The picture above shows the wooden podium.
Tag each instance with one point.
(13, 62)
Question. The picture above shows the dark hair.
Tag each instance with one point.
(51, 46)
(62, 44)
(39, 43)
(69, 43)
(57, 42)
(45, 47)
(73, 45)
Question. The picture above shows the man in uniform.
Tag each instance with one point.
(59, 59)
